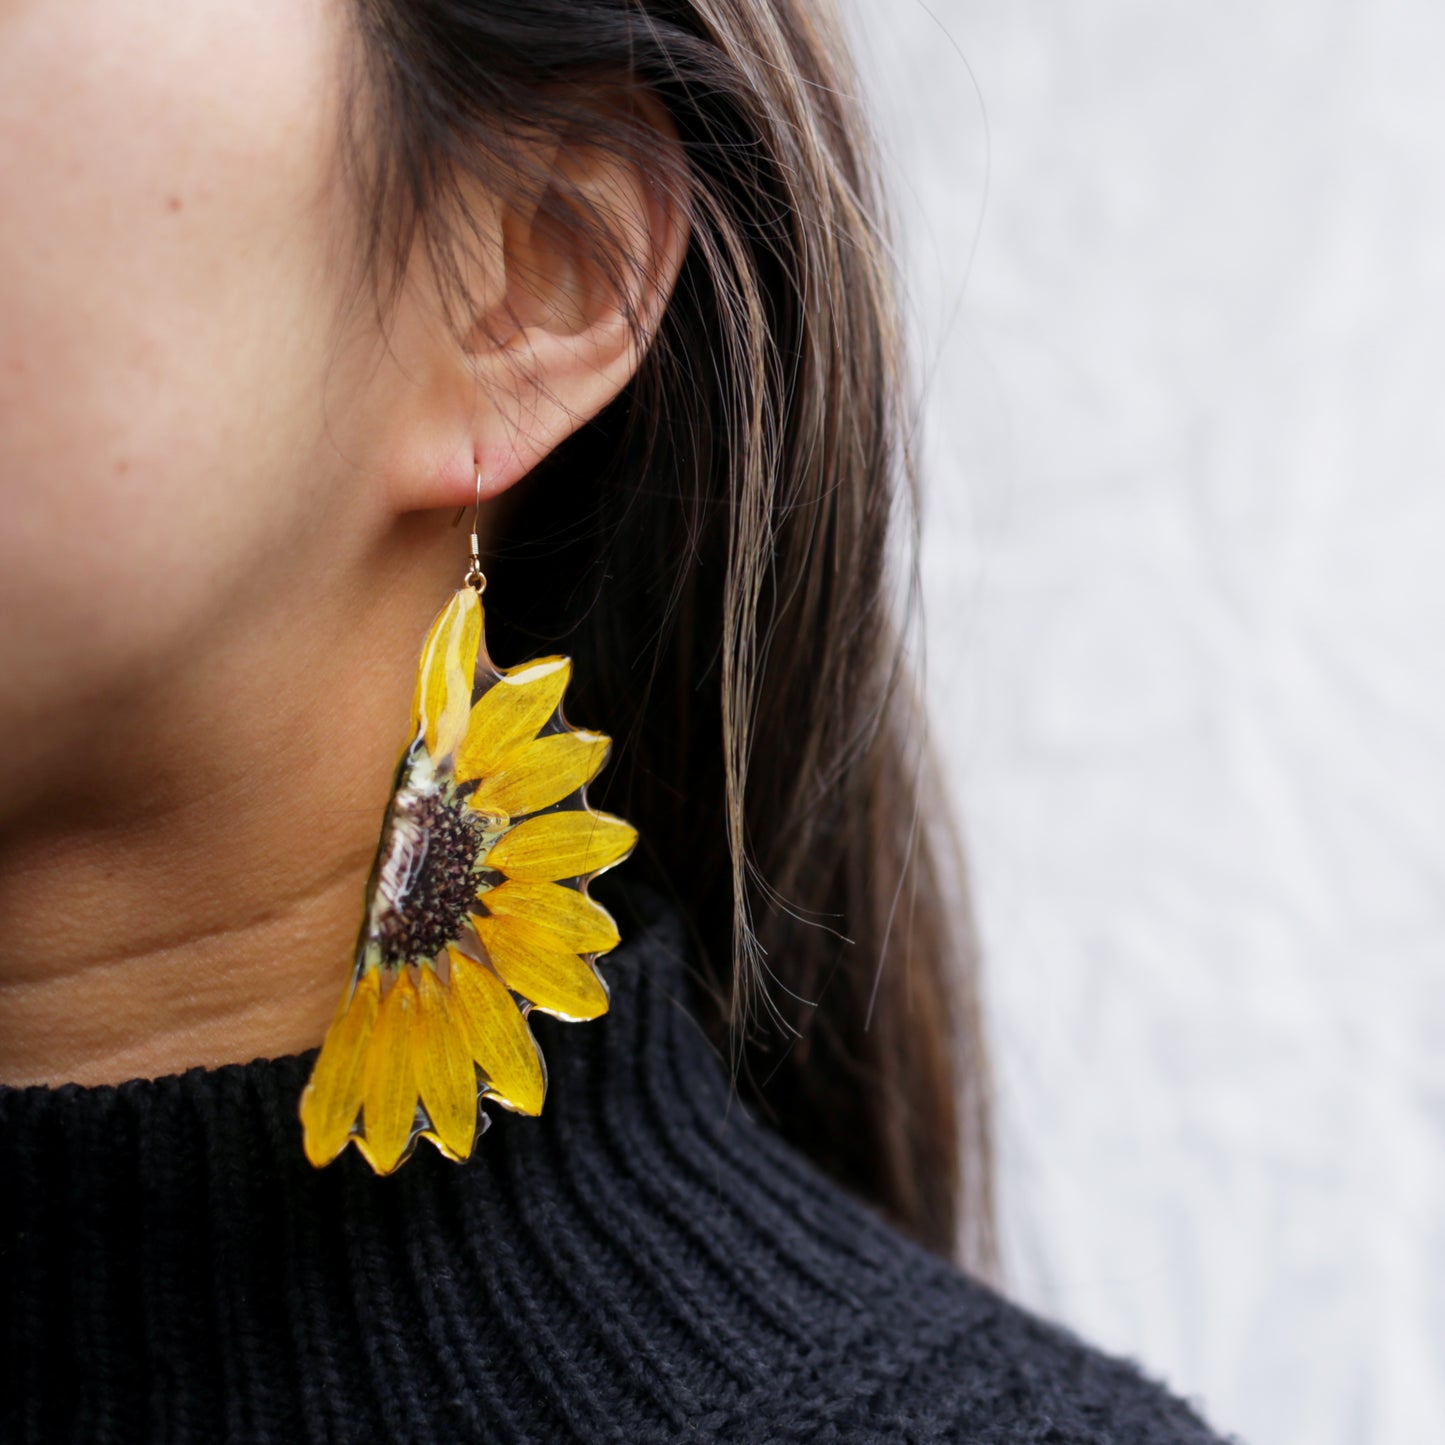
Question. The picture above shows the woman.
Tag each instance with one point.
(284, 287)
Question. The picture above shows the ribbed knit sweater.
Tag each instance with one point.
(644, 1262)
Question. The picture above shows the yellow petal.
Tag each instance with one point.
(562, 845)
(389, 1113)
(332, 1098)
(542, 772)
(447, 670)
(500, 1040)
(558, 917)
(560, 983)
(511, 712)
(445, 1074)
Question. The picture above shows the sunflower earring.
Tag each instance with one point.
(476, 910)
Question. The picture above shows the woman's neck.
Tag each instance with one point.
(193, 898)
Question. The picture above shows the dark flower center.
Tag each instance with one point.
(427, 881)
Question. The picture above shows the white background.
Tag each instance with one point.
(1185, 591)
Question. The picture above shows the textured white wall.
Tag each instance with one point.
(1185, 574)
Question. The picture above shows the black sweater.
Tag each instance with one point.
(644, 1262)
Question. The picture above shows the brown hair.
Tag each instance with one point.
(714, 549)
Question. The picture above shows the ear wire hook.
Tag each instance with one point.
(475, 576)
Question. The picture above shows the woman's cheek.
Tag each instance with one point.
(165, 302)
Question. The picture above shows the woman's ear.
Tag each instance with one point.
(567, 289)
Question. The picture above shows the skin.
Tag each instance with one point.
(226, 505)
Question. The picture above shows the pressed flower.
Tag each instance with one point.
(477, 910)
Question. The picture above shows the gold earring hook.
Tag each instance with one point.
(475, 576)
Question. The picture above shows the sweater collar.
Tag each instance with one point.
(170, 1261)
